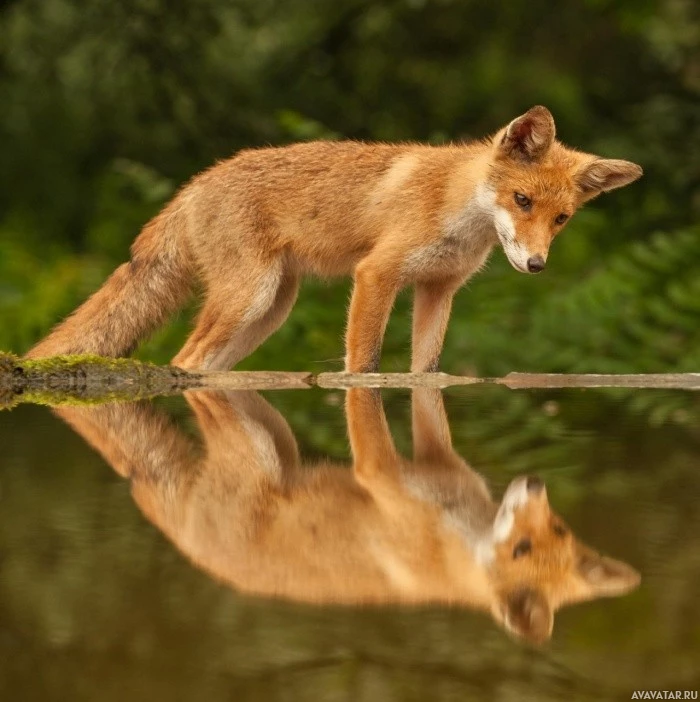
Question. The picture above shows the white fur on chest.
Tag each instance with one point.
(465, 242)
(474, 227)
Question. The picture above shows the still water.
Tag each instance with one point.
(277, 546)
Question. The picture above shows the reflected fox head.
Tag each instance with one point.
(536, 184)
(536, 564)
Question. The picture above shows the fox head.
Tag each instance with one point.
(536, 565)
(535, 185)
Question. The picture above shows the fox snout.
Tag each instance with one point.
(535, 264)
(522, 258)
(534, 485)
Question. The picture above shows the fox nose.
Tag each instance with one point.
(535, 264)
(534, 484)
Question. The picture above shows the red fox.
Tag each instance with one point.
(246, 510)
(391, 215)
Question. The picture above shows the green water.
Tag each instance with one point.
(97, 604)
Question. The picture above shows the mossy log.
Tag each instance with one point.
(95, 379)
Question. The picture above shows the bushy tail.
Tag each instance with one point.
(138, 297)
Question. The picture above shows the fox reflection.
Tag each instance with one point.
(244, 508)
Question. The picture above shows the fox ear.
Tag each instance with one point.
(606, 577)
(527, 614)
(529, 136)
(603, 174)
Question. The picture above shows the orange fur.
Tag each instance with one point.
(394, 529)
(390, 215)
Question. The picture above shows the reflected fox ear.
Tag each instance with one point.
(604, 174)
(529, 136)
(605, 576)
(527, 614)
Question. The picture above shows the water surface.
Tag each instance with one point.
(97, 603)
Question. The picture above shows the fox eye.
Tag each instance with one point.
(559, 530)
(561, 218)
(523, 201)
(522, 548)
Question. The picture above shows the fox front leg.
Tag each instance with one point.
(432, 304)
(430, 427)
(372, 299)
(372, 446)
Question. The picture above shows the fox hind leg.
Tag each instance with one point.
(234, 423)
(235, 322)
(270, 322)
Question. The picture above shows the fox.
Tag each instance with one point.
(390, 215)
(242, 506)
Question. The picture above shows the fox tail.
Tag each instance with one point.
(137, 298)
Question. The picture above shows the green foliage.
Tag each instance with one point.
(637, 310)
(107, 108)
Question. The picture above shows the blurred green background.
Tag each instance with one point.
(108, 106)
